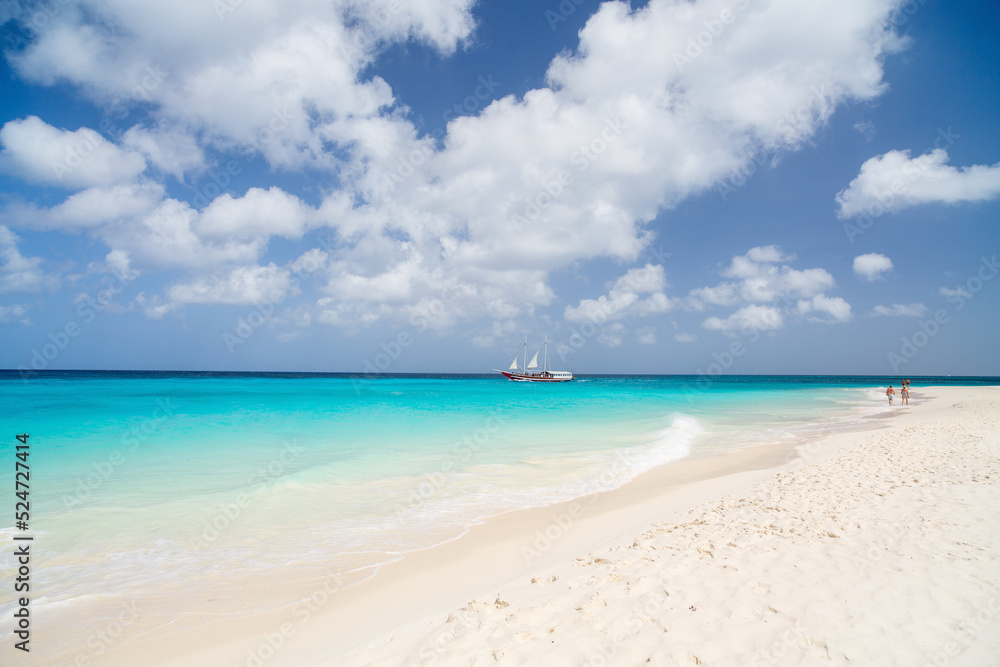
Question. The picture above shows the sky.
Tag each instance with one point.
(717, 186)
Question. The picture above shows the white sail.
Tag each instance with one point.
(534, 361)
(513, 365)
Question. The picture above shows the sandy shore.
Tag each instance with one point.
(868, 548)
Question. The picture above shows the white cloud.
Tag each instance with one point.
(769, 254)
(118, 264)
(893, 181)
(759, 280)
(258, 213)
(837, 309)
(154, 307)
(279, 77)
(170, 149)
(309, 262)
(611, 335)
(98, 206)
(957, 293)
(474, 225)
(749, 318)
(244, 285)
(646, 335)
(166, 237)
(871, 266)
(16, 313)
(866, 129)
(623, 298)
(17, 272)
(511, 186)
(37, 152)
(685, 338)
(763, 282)
(723, 294)
(901, 310)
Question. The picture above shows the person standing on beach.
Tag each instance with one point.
(889, 392)
(904, 393)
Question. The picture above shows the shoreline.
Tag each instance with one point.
(407, 600)
(488, 555)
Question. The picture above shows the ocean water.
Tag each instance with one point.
(196, 495)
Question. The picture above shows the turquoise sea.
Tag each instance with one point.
(205, 494)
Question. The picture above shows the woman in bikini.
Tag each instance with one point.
(904, 393)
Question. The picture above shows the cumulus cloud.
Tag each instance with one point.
(759, 280)
(472, 223)
(97, 206)
(167, 237)
(244, 285)
(17, 272)
(871, 266)
(762, 276)
(257, 213)
(169, 149)
(894, 181)
(155, 307)
(575, 170)
(37, 152)
(646, 335)
(281, 78)
(901, 310)
(118, 264)
(834, 308)
(749, 318)
(624, 298)
(685, 337)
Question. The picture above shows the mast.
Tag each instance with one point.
(545, 366)
(524, 364)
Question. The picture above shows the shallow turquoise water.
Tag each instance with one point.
(141, 479)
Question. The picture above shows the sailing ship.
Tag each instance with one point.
(529, 370)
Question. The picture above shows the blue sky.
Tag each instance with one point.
(746, 186)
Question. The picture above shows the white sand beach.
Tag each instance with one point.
(877, 547)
